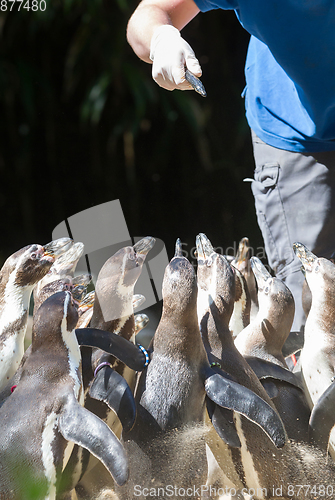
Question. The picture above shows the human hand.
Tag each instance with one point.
(170, 54)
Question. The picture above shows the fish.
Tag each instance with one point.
(196, 83)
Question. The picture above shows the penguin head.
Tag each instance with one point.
(135, 257)
(116, 281)
(179, 283)
(216, 280)
(32, 265)
(56, 317)
(276, 302)
(10, 265)
(319, 273)
(60, 285)
(243, 254)
(65, 264)
(121, 270)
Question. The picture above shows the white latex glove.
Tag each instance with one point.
(170, 54)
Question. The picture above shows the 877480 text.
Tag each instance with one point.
(319, 490)
(17, 5)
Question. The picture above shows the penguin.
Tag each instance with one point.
(261, 344)
(141, 321)
(138, 300)
(77, 286)
(113, 306)
(242, 263)
(266, 335)
(259, 464)
(64, 266)
(59, 285)
(18, 276)
(240, 317)
(166, 446)
(318, 353)
(52, 287)
(113, 312)
(293, 353)
(85, 310)
(31, 463)
(306, 292)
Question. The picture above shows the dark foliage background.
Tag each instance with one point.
(83, 123)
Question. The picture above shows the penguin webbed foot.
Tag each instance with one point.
(111, 388)
(229, 394)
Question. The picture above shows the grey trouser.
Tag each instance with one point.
(295, 201)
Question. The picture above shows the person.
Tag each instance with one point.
(290, 108)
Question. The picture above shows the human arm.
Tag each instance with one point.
(153, 30)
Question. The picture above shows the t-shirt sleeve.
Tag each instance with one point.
(205, 5)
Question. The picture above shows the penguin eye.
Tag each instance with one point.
(33, 255)
(316, 268)
(266, 289)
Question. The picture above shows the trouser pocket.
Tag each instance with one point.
(271, 216)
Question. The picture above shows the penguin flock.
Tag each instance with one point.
(210, 410)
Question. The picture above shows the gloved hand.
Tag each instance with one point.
(170, 54)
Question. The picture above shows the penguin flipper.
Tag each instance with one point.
(111, 388)
(110, 342)
(322, 418)
(270, 387)
(81, 426)
(229, 394)
(222, 420)
(266, 369)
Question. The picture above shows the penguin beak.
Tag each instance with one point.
(79, 292)
(243, 250)
(306, 257)
(260, 272)
(138, 300)
(69, 256)
(82, 279)
(87, 301)
(178, 249)
(143, 246)
(57, 247)
(204, 247)
(141, 321)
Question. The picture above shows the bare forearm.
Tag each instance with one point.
(141, 26)
(150, 15)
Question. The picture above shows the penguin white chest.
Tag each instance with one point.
(11, 352)
(48, 436)
(317, 368)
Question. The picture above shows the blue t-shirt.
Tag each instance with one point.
(290, 70)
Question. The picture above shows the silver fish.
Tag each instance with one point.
(195, 82)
